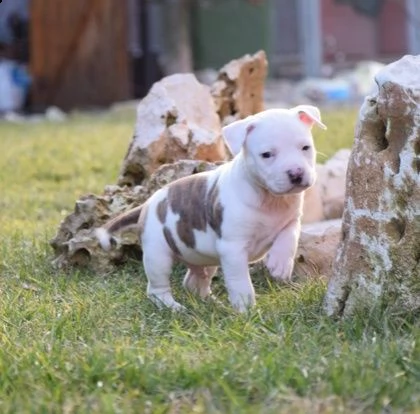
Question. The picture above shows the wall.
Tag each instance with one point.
(79, 52)
(227, 30)
(350, 36)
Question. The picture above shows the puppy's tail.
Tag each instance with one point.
(118, 224)
(104, 238)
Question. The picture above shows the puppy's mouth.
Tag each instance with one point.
(298, 188)
(295, 189)
(288, 188)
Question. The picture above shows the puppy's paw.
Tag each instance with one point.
(280, 268)
(242, 303)
(177, 307)
(166, 301)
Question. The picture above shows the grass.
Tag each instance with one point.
(79, 343)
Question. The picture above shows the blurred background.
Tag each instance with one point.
(91, 53)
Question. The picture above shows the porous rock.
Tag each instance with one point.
(171, 172)
(313, 208)
(378, 259)
(325, 199)
(75, 243)
(176, 120)
(317, 247)
(333, 184)
(239, 89)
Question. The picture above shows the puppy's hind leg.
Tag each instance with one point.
(158, 270)
(198, 280)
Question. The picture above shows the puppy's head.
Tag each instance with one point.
(277, 147)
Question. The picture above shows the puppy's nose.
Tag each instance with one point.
(295, 175)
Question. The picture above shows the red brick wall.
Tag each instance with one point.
(350, 35)
(392, 29)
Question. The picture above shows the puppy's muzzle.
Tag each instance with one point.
(295, 176)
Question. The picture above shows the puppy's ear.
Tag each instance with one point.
(309, 115)
(235, 133)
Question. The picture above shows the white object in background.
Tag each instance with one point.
(12, 90)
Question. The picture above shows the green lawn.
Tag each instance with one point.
(80, 343)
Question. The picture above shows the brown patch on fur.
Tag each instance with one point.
(170, 240)
(215, 209)
(124, 220)
(185, 233)
(186, 197)
(162, 210)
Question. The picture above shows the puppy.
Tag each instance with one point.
(245, 210)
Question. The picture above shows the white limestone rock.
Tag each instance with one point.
(325, 199)
(317, 247)
(313, 207)
(333, 184)
(176, 120)
(239, 89)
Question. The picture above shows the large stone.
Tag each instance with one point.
(75, 243)
(239, 89)
(176, 120)
(317, 247)
(378, 258)
(325, 199)
(313, 207)
(333, 184)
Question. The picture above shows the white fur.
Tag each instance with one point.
(261, 210)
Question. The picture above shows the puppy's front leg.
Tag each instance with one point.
(281, 256)
(234, 262)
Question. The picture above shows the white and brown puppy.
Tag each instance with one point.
(238, 213)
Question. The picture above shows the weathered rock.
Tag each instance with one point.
(317, 247)
(325, 199)
(171, 172)
(378, 259)
(239, 89)
(75, 243)
(176, 120)
(313, 207)
(333, 184)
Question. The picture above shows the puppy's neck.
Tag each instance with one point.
(273, 203)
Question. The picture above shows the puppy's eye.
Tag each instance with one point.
(306, 148)
(266, 154)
